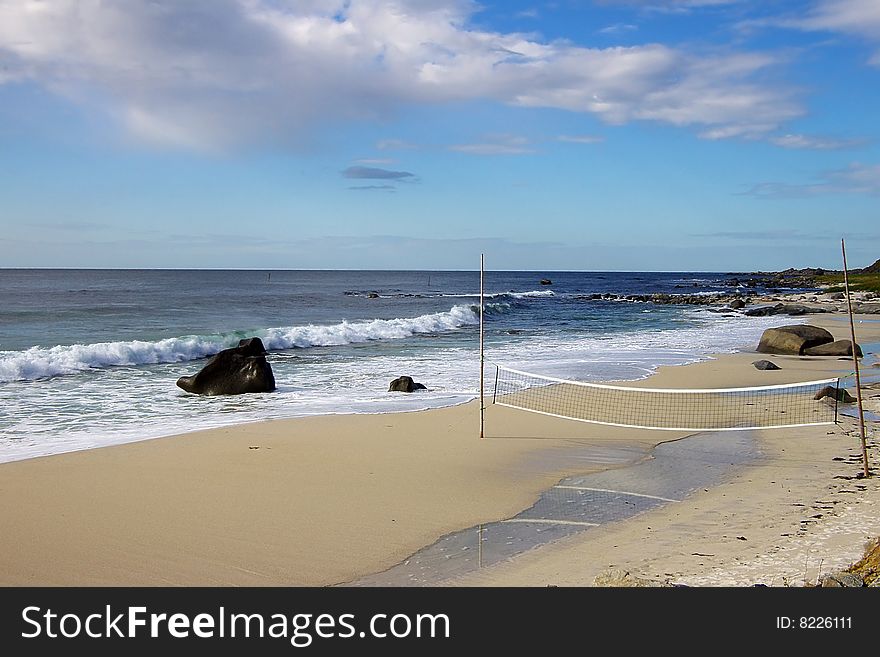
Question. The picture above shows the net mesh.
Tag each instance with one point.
(671, 409)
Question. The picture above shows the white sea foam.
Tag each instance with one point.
(495, 295)
(39, 362)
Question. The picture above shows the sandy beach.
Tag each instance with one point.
(327, 500)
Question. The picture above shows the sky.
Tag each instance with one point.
(628, 135)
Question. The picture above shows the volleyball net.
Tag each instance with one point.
(720, 409)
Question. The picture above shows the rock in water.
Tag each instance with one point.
(766, 365)
(736, 304)
(233, 372)
(837, 348)
(546, 281)
(841, 395)
(405, 384)
(793, 339)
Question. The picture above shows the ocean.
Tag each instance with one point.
(91, 357)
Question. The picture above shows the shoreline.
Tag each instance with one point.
(219, 506)
(406, 404)
(786, 520)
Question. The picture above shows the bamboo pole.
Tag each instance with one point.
(852, 332)
(482, 354)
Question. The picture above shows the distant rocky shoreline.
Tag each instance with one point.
(753, 304)
(790, 292)
(792, 278)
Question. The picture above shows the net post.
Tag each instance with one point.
(836, 400)
(852, 333)
(495, 390)
(482, 355)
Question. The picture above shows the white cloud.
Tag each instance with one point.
(216, 74)
(857, 178)
(619, 28)
(812, 142)
(860, 18)
(496, 145)
(851, 16)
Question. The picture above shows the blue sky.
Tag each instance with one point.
(707, 135)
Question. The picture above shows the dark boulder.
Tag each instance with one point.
(233, 372)
(837, 348)
(766, 365)
(736, 304)
(764, 311)
(792, 309)
(793, 339)
(834, 393)
(798, 309)
(405, 384)
(546, 281)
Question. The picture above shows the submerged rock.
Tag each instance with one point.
(233, 371)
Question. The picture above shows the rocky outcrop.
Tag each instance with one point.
(792, 309)
(836, 348)
(834, 393)
(670, 299)
(766, 365)
(233, 371)
(867, 308)
(405, 384)
(778, 279)
(868, 568)
(737, 304)
(623, 578)
(842, 579)
(793, 339)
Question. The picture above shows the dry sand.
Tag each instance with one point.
(325, 500)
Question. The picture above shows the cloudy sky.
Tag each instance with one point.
(712, 135)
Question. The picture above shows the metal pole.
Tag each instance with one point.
(852, 332)
(482, 354)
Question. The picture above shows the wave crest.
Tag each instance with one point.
(40, 362)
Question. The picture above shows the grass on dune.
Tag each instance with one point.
(857, 282)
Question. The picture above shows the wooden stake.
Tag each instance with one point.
(482, 354)
(852, 332)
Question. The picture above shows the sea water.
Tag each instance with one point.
(90, 357)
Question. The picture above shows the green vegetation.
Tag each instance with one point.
(857, 282)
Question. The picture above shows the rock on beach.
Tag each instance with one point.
(795, 339)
